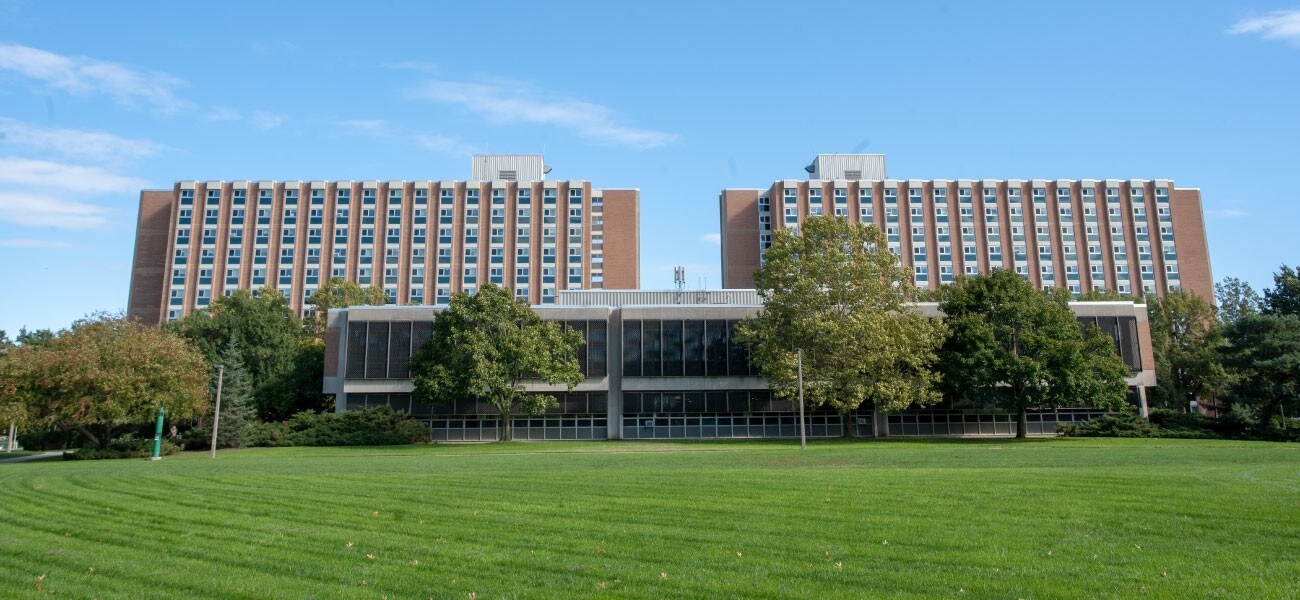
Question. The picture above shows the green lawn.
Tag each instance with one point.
(941, 518)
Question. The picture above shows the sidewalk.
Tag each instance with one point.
(30, 457)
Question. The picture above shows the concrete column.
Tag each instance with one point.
(1142, 401)
(614, 375)
(878, 423)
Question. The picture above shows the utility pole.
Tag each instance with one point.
(803, 434)
(216, 415)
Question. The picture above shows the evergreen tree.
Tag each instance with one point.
(238, 406)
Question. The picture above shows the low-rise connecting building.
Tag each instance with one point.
(665, 365)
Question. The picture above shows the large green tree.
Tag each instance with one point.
(1014, 347)
(1236, 299)
(486, 346)
(339, 293)
(832, 290)
(1284, 297)
(1264, 351)
(106, 372)
(1187, 342)
(270, 343)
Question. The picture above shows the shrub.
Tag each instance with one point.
(372, 427)
(127, 446)
(1127, 425)
(269, 435)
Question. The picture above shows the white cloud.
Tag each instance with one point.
(259, 118)
(442, 143)
(712, 238)
(85, 75)
(381, 129)
(30, 243)
(1226, 213)
(75, 143)
(47, 175)
(1278, 25)
(33, 209)
(222, 114)
(40, 193)
(513, 102)
(418, 66)
(365, 126)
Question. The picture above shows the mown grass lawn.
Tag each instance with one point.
(944, 518)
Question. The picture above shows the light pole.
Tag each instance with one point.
(157, 435)
(216, 415)
(803, 434)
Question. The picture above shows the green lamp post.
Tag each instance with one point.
(157, 435)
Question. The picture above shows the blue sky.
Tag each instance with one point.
(99, 100)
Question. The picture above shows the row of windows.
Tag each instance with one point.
(382, 349)
(815, 194)
(568, 403)
(732, 401)
(677, 348)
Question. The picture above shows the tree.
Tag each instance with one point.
(485, 346)
(832, 290)
(1187, 341)
(1015, 347)
(37, 337)
(299, 388)
(1264, 350)
(1236, 299)
(267, 337)
(238, 408)
(106, 372)
(1284, 297)
(338, 293)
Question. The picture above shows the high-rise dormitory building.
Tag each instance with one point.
(1132, 236)
(421, 241)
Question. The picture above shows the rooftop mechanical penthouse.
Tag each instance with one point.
(421, 241)
(1132, 236)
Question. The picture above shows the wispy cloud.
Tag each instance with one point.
(1226, 213)
(84, 75)
(260, 119)
(44, 174)
(514, 102)
(418, 66)
(381, 129)
(442, 143)
(1281, 25)
(75, 143)
(30, 243)
(712, 238)
(40, 193)
(33, 209)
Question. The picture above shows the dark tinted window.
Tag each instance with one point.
(399, 351)
(596, 353)
(377, 351)
(672, 348)
(631, 348)
(650, 349)
(356, 350)
(693, 348)
(715, 350)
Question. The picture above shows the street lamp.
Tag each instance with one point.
(216, 415)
